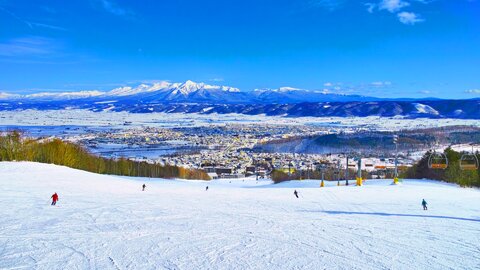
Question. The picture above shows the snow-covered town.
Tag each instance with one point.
(240, 146)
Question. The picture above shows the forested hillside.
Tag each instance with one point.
(14, 147)
(452, 174)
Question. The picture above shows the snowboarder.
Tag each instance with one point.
(143, 187)
(54, 198)
(424, 204)
(295, 193)
(206, 188)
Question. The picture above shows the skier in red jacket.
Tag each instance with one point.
(54, 198)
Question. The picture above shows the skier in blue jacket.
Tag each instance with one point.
(424, 204)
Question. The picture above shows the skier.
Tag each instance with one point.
(295, 193)
(424, 204)
(206, 188)
(143, 187)
(54, 198)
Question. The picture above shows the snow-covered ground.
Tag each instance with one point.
(107, 222)
(76, 117)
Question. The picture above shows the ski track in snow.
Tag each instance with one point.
(107, 222)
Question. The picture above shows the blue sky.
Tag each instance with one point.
(387, 48)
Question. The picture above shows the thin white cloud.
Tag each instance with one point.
(392, 5)
(112, 7)
(49, 26)
(409, 18)
(330, 5)
(396, 6)
(39, 50)
(370, 7)
(473, 91)
(371, 88)
(49, 9)
(31, 24)
(28, 46)
(381, 84)
(13, 15)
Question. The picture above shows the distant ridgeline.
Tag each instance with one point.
(452, 174)
(13, 147)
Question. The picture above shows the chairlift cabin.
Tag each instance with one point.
(437, 161)
(469, 162)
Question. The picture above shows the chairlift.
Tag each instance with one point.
(469, 162)
(437, 161)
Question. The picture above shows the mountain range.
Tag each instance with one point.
(191, 97)
(189, 91)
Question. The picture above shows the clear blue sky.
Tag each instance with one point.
(388, 48)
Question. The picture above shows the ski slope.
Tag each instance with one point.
(107, 222)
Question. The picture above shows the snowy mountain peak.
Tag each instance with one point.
(142, 88)
(424, 109)
(280, 89)
(79, 94)
(189, 87)
(4, 95)
(230, 89)
(288, 89)
(160, 85)
(191, 84)
(54, 95)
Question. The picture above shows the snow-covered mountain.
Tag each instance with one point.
(4, 95)
(192, 92)
(169, 89)
(191, 97)
(188, 91)
(45, 96)
(296, 95)
(64, 95)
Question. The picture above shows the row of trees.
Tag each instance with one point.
(15, 147)
(452, 174)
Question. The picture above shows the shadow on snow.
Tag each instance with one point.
(394, 215)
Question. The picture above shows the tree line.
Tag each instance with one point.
(15, 147)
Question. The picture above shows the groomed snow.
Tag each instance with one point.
(107, 222)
